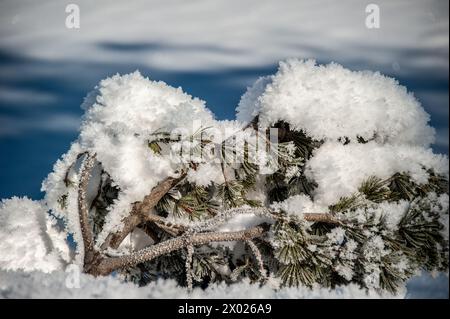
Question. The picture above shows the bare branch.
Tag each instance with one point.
(83, 208)
(108, 265)
(322, 217)
(141, 211)
(189, 257)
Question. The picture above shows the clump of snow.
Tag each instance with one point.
(330, 101)
(336, 235)
(347, 256)
(373, 251)
(390, 212)
(250, 104)
(374, 248)
(29, 239)
(242, 222)
(340, 169)
(206, 174)
(298, 205)
(78, 285)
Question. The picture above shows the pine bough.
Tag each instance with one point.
(353, 197)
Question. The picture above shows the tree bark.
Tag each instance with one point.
(141, 211)
(83, 208)
(108, 265)
(322, 217)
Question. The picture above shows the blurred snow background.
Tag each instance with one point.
(213, 49)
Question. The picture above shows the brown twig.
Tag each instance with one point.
(141, 211)
(83, 210)
(323, 218)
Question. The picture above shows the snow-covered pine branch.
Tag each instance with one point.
(326, 179)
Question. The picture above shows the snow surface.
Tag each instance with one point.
(72, 285)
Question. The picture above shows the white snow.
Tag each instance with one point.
(340, 169)
(55, 189)
(390, 212)
(29, 239)
(336, 235)
(123, 114)
(39, 285)
(329, 102)
(206, 174)
(241, 222)
(250, 103)
(298, 205)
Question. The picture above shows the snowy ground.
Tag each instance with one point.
(213, 49)
(61, 285)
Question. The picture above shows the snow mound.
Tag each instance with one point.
(29, 239)
(330, 101)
